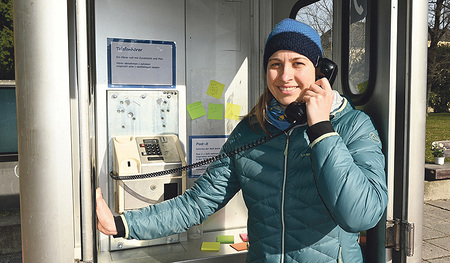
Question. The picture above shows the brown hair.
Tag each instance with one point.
(259, 110)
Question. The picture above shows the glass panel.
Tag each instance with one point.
(358, 68)
(8, 121)
(319, 16)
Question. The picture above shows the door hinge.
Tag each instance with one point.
(400, 236)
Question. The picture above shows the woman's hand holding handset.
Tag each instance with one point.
(319, 99)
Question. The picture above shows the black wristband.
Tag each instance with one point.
(119, 226)
(319, 129)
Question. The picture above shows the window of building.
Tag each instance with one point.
(8, 120)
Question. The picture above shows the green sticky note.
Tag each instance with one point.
(196, 110)
(215, 89)
(225, 239)
(215, 111)
(211, 246)
(232, 111)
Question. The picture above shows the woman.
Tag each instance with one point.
(309, 192)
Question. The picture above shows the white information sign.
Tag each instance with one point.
(141, 62)
(204, 147)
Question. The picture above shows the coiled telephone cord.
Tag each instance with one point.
(231, 153)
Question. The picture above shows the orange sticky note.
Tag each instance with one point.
(240, 246)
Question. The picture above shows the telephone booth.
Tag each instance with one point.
(117, 88)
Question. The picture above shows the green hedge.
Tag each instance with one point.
(437, 130)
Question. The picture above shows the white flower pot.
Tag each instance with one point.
(439, 160)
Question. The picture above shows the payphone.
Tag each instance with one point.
(143, 136)
(135, 155)
(146, 154)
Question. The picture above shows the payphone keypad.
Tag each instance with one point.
(151, 147)
(157, 150)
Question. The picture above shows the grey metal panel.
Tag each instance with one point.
(142, 112)
(218, 44)
(417, 119)
(141, 20)
(42, 86)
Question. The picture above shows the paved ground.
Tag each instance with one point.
(436, 232)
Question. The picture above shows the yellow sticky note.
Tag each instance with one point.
(215, 89)
(232, 111)
(196, 110)
(210, 246)
(215, 111)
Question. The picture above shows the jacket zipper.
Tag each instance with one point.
(283, 193)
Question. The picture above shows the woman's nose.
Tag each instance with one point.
(286, 74)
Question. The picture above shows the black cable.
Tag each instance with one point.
(231, 153)
(299, 5)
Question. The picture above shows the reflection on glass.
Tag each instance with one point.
(8, 120)
(358, 69)
(319, 16)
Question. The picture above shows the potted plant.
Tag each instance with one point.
(438, 150)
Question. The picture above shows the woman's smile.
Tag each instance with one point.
(287, 89)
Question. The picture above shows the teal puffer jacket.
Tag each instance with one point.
(306, 201)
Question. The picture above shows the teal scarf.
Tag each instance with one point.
(275, 114)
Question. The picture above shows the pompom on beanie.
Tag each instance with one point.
(295, 36)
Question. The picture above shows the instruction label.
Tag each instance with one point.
(141, 62)
(202, 148)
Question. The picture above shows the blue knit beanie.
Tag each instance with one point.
(295, 36)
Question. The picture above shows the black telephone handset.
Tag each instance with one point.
(296, 111)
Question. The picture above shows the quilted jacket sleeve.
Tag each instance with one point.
(349, 172)
(210, 193)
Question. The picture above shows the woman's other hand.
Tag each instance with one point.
(105, 218)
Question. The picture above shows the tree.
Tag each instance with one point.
(439, 79)
(438, 22)
(319, 16)
(6, 41)
(438, 76)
